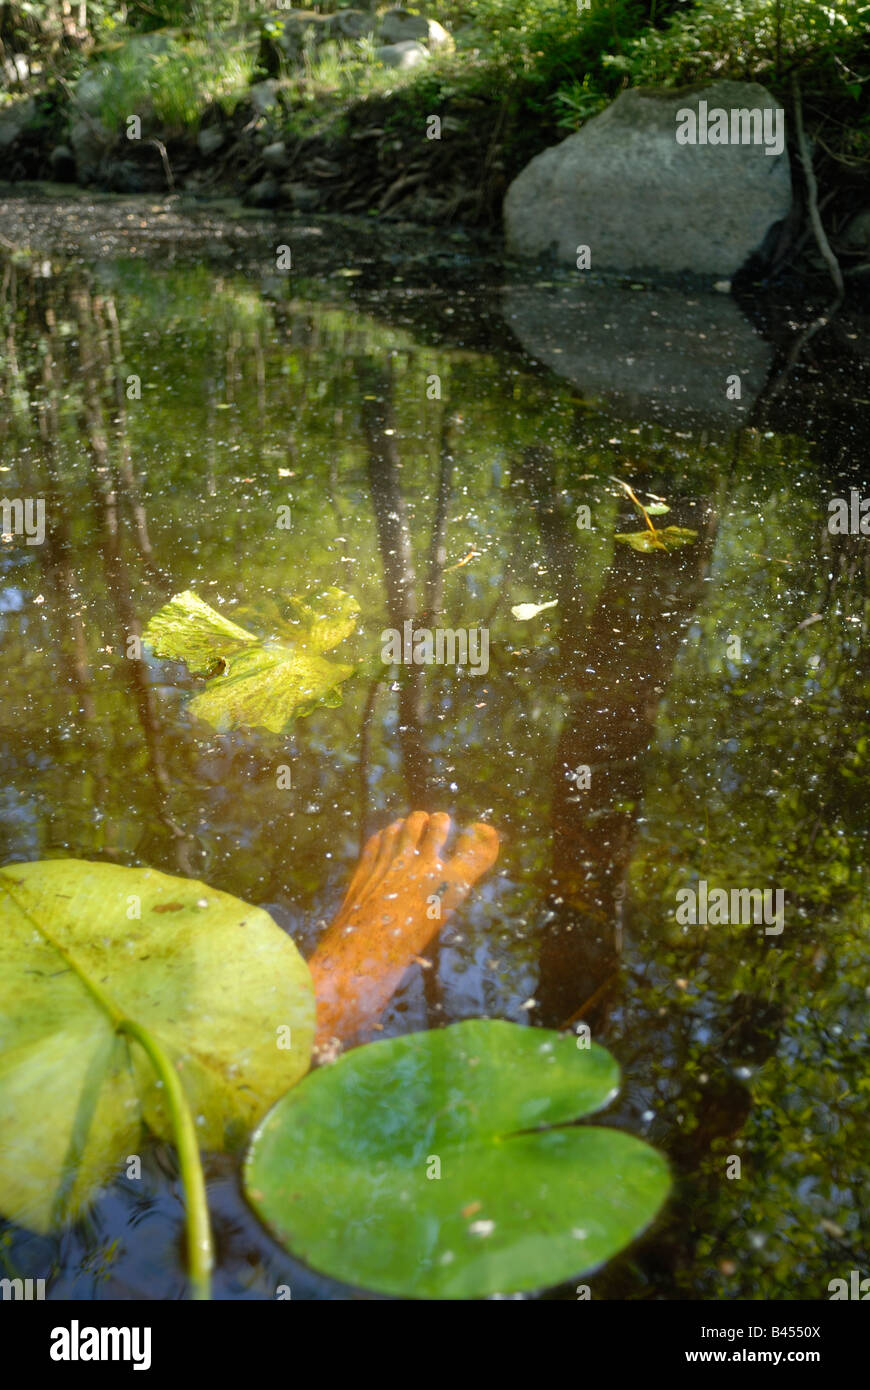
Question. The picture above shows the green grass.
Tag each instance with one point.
(173, 86)
(545, 65)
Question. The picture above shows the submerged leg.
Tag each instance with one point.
(400, 896)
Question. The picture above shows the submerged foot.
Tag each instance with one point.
(400, 896)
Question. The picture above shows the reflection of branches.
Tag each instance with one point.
(394, 540)
(130, 492)
(105, 485)
(364, 758)
(437, 552)
(609, 725)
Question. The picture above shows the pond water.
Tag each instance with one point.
(676, 716)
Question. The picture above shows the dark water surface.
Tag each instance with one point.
(739, 762)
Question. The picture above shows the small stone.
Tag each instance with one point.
(857, 236)
(400, 26)
(408, 54)
(15, 118)
(275, 155)
(63, 163)
(209, 140)
(263, 95)
(264, 194)
(352, 24)
(301, 196)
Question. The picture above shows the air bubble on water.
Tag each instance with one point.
(648, 1116)
(744, 1073)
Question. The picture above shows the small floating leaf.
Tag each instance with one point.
(189, 630)
(671, 538)
(73, 962)
(343, 1168)
(261, 678)
(524, 611)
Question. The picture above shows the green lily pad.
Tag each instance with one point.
(343, 1169)
(210, 977)
(261, 678)
(669, 538)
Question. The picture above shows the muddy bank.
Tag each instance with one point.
(374, 157)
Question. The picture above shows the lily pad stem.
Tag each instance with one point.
(199, 1241)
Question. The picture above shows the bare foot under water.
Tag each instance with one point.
(401, 894)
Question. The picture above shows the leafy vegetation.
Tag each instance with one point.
(172, 81)
(447, 1164)
(187, 1025)
(130, 998)
(258, 682)
(545, 65)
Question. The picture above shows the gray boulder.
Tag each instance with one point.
(640, 200)
(301, 196)
(301, 30)
(91, 142)
(209, 140)
(90, 87)
(407, 54)
(352, 24)
(857, 235)
(62, 163)
(263, 96)
(14, 120)
(397, 26)
(265, 194)
(648, 353)
(275, 155)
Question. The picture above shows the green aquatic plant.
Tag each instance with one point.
(449, 1164)
(442, 1164)
(653, 538)
(132, 998)
(259, 679)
